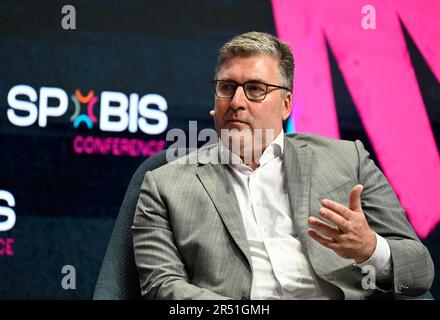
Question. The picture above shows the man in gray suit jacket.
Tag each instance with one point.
(264, 215)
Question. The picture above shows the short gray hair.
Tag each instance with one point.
(254, 43)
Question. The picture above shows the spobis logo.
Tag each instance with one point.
(118, 113)
(6, 244)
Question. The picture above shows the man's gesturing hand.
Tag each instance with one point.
(350, 237)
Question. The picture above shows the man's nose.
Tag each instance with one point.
(238, 100)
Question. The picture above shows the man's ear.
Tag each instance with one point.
(287, 105)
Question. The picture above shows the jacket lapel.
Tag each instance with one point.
(298, 158)
(215, 180)
(298, 170)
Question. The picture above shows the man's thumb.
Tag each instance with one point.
(355, 198)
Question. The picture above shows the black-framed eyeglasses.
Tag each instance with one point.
(254, 90)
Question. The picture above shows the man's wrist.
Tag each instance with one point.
(370, 247)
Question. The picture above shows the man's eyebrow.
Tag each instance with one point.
(226, 79)
(256, 80)
(250, 80)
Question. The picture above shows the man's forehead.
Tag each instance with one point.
(253, 67)
(249, 59)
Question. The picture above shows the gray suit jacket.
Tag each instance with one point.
(190, 242)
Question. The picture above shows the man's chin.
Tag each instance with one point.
(236, 125)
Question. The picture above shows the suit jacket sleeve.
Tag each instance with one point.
(161, 270)
(413, 269)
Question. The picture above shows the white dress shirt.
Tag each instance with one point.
(280, 268)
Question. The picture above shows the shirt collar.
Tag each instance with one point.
(273, 150)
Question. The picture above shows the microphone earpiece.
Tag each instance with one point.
(212, 112)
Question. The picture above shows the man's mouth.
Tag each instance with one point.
(236, 121)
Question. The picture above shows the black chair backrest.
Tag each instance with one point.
(118, 278)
